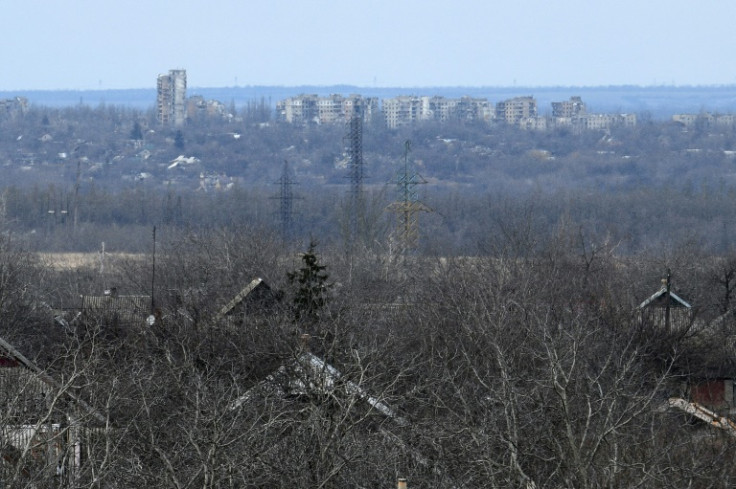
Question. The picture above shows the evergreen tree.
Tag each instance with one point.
(136, 133)
(311, 282)
(179, 140)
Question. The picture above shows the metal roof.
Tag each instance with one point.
(126, 307)
(675, 300)
(310, 373)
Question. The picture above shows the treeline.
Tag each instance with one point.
(459, 221)
(79, 175)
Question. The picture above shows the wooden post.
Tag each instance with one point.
(401, 484)
(668, 285)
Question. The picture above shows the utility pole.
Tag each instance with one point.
(153, 273)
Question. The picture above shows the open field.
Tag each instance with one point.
(73, 261)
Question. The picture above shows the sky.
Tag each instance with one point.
(114, 44)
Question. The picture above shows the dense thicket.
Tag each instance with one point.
(526, 367)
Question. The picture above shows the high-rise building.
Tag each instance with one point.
(171, 97)
(514, 110)
(568, 108)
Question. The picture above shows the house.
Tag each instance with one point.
(255, 297)
(114, 309)
(665, 309)
(44, 424)
(713, 378)
(710, 379)
(309, 378)
(307, 374)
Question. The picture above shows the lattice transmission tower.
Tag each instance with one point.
(286, 199)
(354, 149)
(408, 206)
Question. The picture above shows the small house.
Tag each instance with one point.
(113, 309)
(665, 309)
(256, 297)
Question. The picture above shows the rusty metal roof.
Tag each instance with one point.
(126, 307)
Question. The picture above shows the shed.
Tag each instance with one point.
(666, 309)
(112, 308)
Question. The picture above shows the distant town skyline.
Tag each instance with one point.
(85, 44)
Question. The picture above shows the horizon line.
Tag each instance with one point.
(386, 87)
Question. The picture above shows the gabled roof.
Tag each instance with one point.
(659, 299)
(309, 373)
(257, 290)
(12, 358)
(705, 414)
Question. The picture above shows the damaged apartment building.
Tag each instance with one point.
(171, 98)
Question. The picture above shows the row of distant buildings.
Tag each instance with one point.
(705, 120)
(410, 109)
(174, 108)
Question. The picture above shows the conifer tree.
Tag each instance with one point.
(311, 282)
(137, 132)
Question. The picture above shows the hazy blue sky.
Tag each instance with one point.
(88, 44)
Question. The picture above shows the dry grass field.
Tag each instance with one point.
(73, 261)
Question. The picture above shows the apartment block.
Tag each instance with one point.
(604, 121)
(478, 109)
(571, 114)
(512, 111)
(705, 119)
(408, 109)
(298, 110)
(368, 107)
(13, 107)
(536, 123)
(198, 108)
(329, 109)
(402, 110)
(568, 108)
(171, 98)
(332, 109)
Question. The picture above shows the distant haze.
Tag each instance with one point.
(88, 44)
(659, 102)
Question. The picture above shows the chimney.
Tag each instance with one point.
(401, 484)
